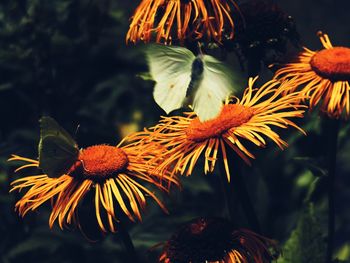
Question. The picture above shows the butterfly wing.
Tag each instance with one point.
(57, 149)
(170, 67)
(217, 83)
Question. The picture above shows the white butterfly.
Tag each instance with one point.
(181, 76)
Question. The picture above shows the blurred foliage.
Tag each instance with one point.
(344, 253)
(68, 59)
(307, 242)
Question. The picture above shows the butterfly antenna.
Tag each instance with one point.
(82, 162)
(77, 130)
(200, 51)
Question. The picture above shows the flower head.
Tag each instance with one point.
(323, 76)
(249, 119)
(265, 34)
(215, 240)
(182, 19)
(115, 174)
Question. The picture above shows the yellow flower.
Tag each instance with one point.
(115, 174)
(323, 76)
(194, 19)
(249, 119)
(214, 240)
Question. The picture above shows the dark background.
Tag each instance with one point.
(68, 59)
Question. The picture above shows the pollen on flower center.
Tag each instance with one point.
(102, 161)
(232, 115)
(333, 64)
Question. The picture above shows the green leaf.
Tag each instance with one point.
(145, 76)
(343, 253)
(305, 179)
(312, 164)
(305, 244)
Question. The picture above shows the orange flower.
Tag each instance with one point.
(115, 174)
(324, 76)
(249, 119)
(214, 240)
(194, 19)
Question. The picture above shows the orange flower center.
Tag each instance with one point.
(333, 64)
(231, 116)
(101, 161)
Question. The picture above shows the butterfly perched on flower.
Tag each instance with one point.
(58, 151)
(185, 79)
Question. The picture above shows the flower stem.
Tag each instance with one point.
(124, 236)
(237, 189)
(333, 131)
(229, 195)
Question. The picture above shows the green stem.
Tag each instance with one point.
(124, 236)
(229, 195)
(333, 131)
(246, 203)
(237, 190)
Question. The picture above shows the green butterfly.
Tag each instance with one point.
(58, 151)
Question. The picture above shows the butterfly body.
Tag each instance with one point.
(181, 78)
(196, 75)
